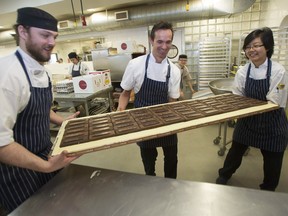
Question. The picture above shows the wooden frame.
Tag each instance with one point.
(145, 134)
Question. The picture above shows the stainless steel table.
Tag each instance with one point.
(74, 99)
(74, 192)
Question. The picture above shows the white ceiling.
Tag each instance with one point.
(62, 9)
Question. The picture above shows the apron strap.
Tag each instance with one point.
(168, 71)
(23, 66)
(268, 73)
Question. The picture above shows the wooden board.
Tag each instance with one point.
(104, 131)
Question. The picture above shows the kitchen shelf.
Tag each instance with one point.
(213, 60)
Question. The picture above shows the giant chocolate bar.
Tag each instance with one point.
(120, 128)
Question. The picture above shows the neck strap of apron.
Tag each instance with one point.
(168, 71)
(268, 73)
(23, 66)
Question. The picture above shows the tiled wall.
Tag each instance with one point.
(263, 13)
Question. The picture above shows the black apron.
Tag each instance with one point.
(151, 93)
(32, 131)
(76, 73)
(267, 131)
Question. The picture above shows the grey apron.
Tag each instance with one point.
(151, 93)
(76, 73)
(267, 131)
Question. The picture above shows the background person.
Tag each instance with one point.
(26, 111)
(155, 80)
(78, 68)
(265, 80)
(60, 60)
(185, 75)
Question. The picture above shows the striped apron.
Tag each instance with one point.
(267, 131)
(32, 131)
(151, 93)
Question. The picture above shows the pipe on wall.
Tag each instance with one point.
(146, 15)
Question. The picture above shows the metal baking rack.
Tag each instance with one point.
(214, 60)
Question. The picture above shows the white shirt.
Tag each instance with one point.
(134, 74)
(278, 90)
(15, 90)
(184, 72)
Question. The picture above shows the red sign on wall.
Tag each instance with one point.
(123, 46)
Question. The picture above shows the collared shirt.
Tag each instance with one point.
(185, 75)
(15, 90)
(134, 75)
(278, 90)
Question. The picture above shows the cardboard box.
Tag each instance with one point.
(106, 77)
(88, 83)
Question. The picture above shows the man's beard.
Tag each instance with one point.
(36, 53)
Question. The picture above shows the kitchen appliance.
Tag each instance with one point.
(221, 86)
(103, 59)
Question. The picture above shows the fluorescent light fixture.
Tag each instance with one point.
(98, 18)
(91, 10)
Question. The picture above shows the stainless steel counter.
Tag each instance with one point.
(74, 192)
(74, 99)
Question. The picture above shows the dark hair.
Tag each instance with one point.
(16, 36)
(182, 56)
(266, 36)
(161, 25)
(73, 55)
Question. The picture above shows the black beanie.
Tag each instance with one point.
(72, 55)
(38, 18)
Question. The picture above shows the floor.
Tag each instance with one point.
(198, 160)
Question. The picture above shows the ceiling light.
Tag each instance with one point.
(91, 10)
(98, 18)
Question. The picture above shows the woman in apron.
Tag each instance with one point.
(78, 68)
(266, 80)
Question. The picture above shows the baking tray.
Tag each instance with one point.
(207, 111)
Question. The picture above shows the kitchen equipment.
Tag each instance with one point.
(222, 86)
(214, 60)
(103, 59)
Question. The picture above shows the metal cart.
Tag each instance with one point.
(217, 140)
(222, 86)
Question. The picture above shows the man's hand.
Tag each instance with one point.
(59, 161)
(74, 115)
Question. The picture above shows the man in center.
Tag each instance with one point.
(155, 80)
